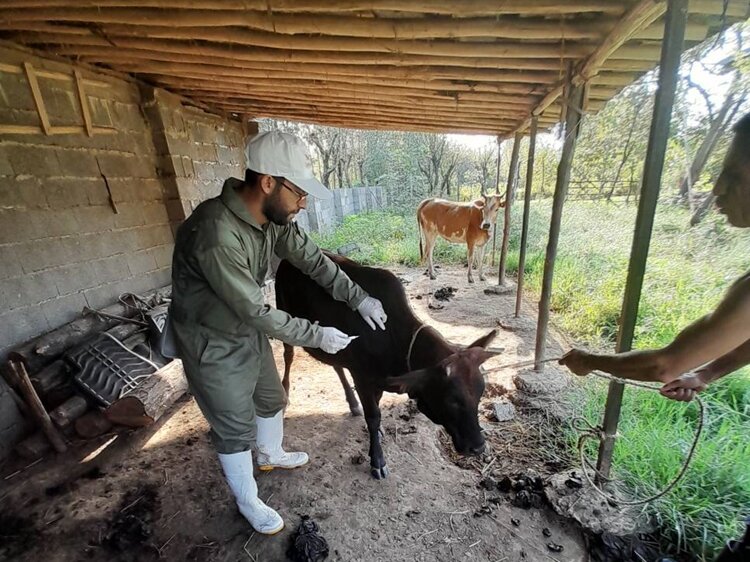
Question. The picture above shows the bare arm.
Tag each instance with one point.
(685, 387)
(711, 337)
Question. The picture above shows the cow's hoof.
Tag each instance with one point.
(356, 410)
(482, 279)
(471, 280)
(433, 277)
(379, 473)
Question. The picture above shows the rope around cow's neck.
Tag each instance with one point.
(589, 431)
(411, 345)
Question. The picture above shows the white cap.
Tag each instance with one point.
(283, 154)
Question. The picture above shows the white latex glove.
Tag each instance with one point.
(334, 340)
(372, 311)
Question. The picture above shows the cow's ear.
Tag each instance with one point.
(484, 341)
(409, 383)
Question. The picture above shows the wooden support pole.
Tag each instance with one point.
(36, 407)
(669, 67)
(526, 210)
(497, 190)
(509, 194)
(572, 123)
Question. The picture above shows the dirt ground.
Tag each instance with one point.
(158, 493)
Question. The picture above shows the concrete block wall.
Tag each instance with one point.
(198, 151)
(86, 218)
(323, 216)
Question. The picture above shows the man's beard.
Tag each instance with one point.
(273, 210)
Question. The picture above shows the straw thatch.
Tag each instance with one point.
(478, 66)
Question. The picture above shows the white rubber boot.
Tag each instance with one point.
(270, 454)
(238, 470)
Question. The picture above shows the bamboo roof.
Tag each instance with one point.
(471, 66)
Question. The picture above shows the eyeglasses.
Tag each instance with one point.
(300, 195)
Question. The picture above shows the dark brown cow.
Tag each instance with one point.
(470, 223)
(408, 357)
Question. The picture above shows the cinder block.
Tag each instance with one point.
(155, 213)
(152, 189)
(111, 269)
(96, 192)
(204, 171)
(74, 278)
(17, 226)
(65, 309)
(10, 266)
(117, 165)
(26, 323)
(27, 290)
(163, 255)
(141, 262)
(5, 168)
(65, 193)
(229, 156)
(41, 254)
(15, 91)
(104, 295)
(21, 194)
(95, 219)
(187, 166)
(34, 160)
(124, 190)
(129, 215)
(122, 241)
(78, 163)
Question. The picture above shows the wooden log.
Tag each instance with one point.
(182, 51)
(320, 71)
(43, 350)
(34, 446)
(465, 8)
(149, 400)
(429, 27)
(70, 410)
(92, 424)
(35, 407)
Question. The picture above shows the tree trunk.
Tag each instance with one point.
(149, 400)
(702, 210)
(717, 126)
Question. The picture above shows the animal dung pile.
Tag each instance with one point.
(526, 489)
(445, 293)
(307, 544)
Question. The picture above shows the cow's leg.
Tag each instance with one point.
(470, 260)
(288, 359)
(370, 404)
(429, 240)
(351, 398)
(480, 258)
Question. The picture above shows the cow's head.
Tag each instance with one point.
(449, 393)
(490, 205)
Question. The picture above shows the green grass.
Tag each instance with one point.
(688, 271)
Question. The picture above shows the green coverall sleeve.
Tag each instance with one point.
(227, 272)
(296, 246)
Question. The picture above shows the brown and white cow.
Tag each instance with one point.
(470, 223)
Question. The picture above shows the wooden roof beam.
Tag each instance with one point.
(641, 15)
(326, 25)
(465, 8)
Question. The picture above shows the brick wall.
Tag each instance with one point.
(86, 218)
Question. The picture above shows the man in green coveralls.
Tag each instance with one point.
(221, 322)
